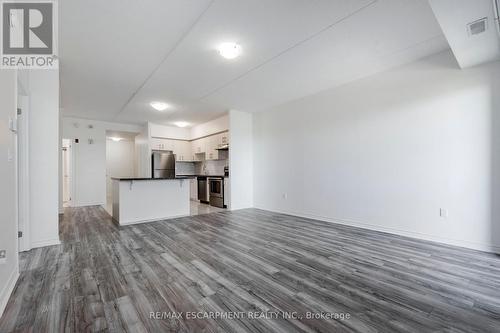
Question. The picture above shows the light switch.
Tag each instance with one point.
(13, 125)
(10, 155)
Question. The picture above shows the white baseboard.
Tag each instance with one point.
(152, 220)
(47, 242)
(443, 240)
(7, 290)
(88, 204)
(245, 207)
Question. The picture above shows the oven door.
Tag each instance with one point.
(216, 187)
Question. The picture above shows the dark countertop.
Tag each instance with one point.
(199, 175)
(133, 178)
(176, 177)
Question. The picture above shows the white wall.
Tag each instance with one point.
(241, 159)
(389, 151)
(217, 125)
(89, 163)
(9, 270)
(120, 161)
(169, 132)
(210, 127)
(43, 90)
(143, 153)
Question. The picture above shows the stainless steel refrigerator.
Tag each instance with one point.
(163, 164)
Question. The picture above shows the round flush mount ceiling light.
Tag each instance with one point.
(181, 124)
(229, 50)
(116, 139)
(160, 106)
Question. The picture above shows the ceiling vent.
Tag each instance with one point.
(477, 27)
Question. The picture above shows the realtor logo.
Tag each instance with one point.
(28, 31)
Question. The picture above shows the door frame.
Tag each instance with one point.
(71, 171)
(23, 176)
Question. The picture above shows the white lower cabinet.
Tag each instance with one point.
(193, 193)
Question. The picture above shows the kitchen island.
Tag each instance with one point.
(138, 200)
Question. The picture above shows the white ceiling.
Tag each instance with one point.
(469, 50)
(118, 55)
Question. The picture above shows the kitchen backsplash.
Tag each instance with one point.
(211, 167)
(201, 168)
(184, 168)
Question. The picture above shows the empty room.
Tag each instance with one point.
(250, 166)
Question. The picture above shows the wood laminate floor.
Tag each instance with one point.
(246, 263)
(198, 208)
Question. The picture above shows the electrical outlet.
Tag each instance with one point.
(3, 255)
(443, 212)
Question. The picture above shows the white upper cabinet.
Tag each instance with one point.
(211, 147)
(162, 144)
(182, 150)
(197, 146)
(224, 138)
(196, 150)
(156, 144)
(213, 143)
(187, 150)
